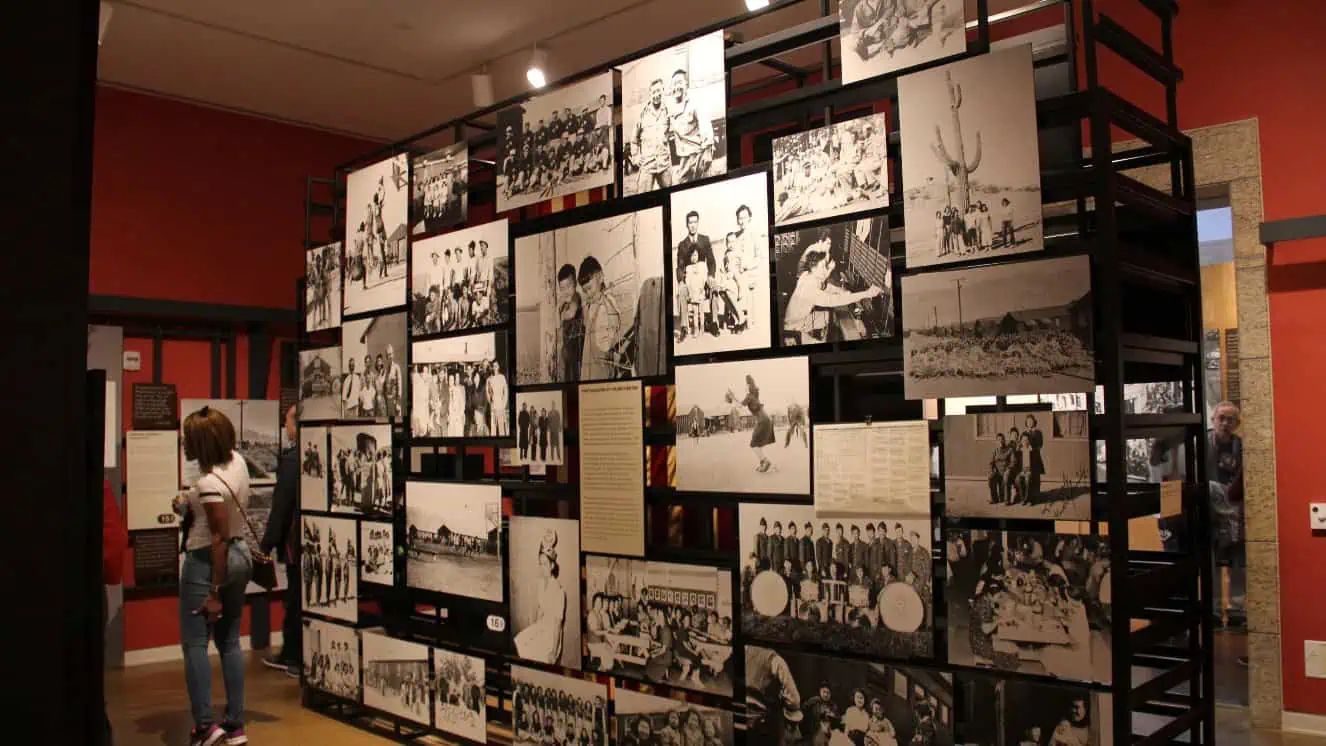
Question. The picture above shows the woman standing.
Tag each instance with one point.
(542, 640)
(764, 432)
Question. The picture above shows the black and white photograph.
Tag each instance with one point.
(547, 709)
(320, 384)
(373, 385)
(453, 542)
(590, 304)
(744, 426)
(674, 115)
(331, 658)
(970, 161)
(545, 589)
(1018, 465)
(884, 36)
(1021, 328)
(439, 189)
(259, 438)
(540, 423)
(377, 552)
(329, 567)
(802, 698)
(460, 280)
(557, 143)
(259, 511)
(460, 704)
(461, 388)
(648, 720)
(1018, 712)
(233, 409)
(857, 586)
(830, 171)
(314, 477)
(322, 287)
(396, 679)
(661, 622)
(720, 258)
(376, 236)
(835, 283)
(361, 470)
(1034, 602)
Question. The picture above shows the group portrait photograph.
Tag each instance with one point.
(641, 719)
(460, 702)
(377, 552)
(549, 709)
(884, 36)
(460, 280)
(322, 287)
(373, 386)
(541, 422)
(830, 171)
(361, 470)
(329, 567)
(460, 387)
(834, 283)
(1022, 712)
(377, 204)
(396, 676)
(331, 658)
(439, 189)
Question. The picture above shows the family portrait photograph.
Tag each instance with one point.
(744, 426)
(883, 36)
(544, 557)
(313, 464)
(376, 205)
(648, 720)
(1018, 465)
(1018, 712)
(460, 280)
(320, 384)
(372, 386)
(540, 423)
(674, 115)
(557, 143)
(720, 260)
(660, 622)
(460, 702)
(590, 304)
(322, 287)
(830, 171)
(331, 658)
(361, 468)
(1019, 328)
(453, 541)
(834, 283)
(396, 677)
(439, 189)
(460, 387)
(377, 552)
(547, 709)
(971, 170)
(329, 567)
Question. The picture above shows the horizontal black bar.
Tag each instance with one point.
(1168, 732)
(1143, 124)
(1153, 268)
(1160, 582)
(1168, 419)
(786, 40)
(788, 69)
(1166, 344)
(123, 305)
(1162, 8)
(1160, 630)
(1132, 192)
(1162, 708)
(1293, 229)
(1126, 44)
(1161, 683)
(1152, 357)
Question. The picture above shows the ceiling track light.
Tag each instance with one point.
(481, 84)
(537, 74)
(754, 5)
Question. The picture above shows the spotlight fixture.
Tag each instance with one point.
(536, 75)
(106, 10)
(481, 83)
(754, 5)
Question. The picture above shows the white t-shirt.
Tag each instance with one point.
(211, 488)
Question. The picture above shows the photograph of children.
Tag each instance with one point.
(660, 622)
(1017, 712)
(1035, 602)
(396, 677)
(743, 426)
(557, 143)
(883, 36)
(590, 303)
(835, 283)
(377, 552)
(439, 189)
(331, 658)
(545, 589)
(322, 287)
(454, 540)
(720, 254)
(1018, 465)
(373, 387)
(552, 710)
(851, 586)
(540, 422)
(459, 704)
(648, 720)
(377, 200)
(460, 280)
(970, 161)
(830, 171)
(460, 387)
(674, 115)
(802, 699)
(320, 384)
(1021, 328)
(260, 439)
(361, 470)
(313, 464)
(329, 567)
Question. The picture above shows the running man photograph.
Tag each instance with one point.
(453, 543)
(674, 115)
(1021, 328)
(373, 387)
(1018, 712)
(1018, 465)
(439, 189)
(540, 423)
(884, 36)
(331, 658)
(313, 465)
(547, 708)
(377, 553)
(970, 164)
(545, 589)
(720, 260)
(396, 677)
(361, 467)
(556, 143)
(460, 703)
(835, 283)
(376, 203)
(320, 384)
(831, 171)
(322, 287)
(460, 386)
(329, 567)
(649, 720)
(460, 280)
(590, 304)
(738, 425)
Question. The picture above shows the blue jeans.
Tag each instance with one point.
(195, 583)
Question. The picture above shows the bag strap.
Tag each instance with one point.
(243, 513)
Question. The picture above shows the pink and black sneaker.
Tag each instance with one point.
(234, 734)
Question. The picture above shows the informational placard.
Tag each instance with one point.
(153, 467)
(156, 557)
(612, 487)
(155, 406)
(881, 468)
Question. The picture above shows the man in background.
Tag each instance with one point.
(1224, 472)
(281, 536)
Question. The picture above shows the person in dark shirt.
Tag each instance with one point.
(571, 313)
(824, 552)
(777, 548)
(860, 551)
(762, 546)
(1001, 468)
(281, 536)
(792, 546)
(842, 554)
(808, 544)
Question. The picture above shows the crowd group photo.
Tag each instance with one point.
(648, 720)
(362, 470)
(459, 280)
(461, 388)
(329, 568)
(331, 658)
(439, 189)
(831, 171)
(552, 710)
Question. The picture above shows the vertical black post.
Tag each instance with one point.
(216, 367)
(983, 26)
(158, 351)
(826, 64)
